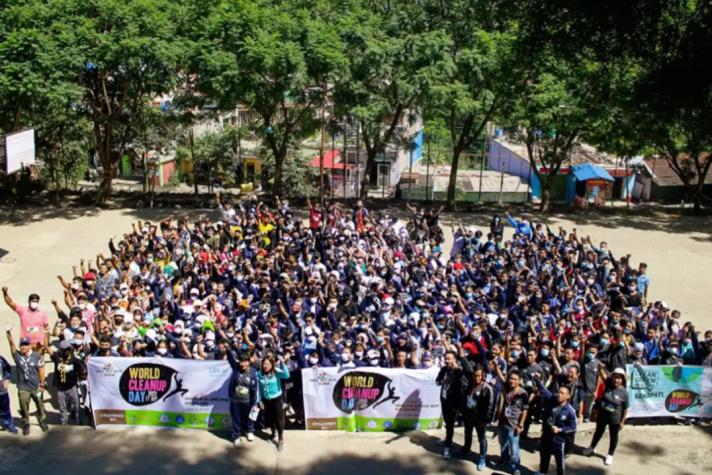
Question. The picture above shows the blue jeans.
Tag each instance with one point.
(240, 415)
(509, 443)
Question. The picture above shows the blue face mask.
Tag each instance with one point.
(514, 353)
(575, 344)
(589, 356)
(544, 352)
(604, 341)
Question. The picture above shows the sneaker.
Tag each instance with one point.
(609, 460)
(446, 453)
(26, 430)
(481, 464)
(13, 430)
(280, 445)
(44, 427)
(588, 451)
(237, 443)
(250, 436)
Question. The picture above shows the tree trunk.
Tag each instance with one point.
(278, 165)
(366, 178)
(107, 164)
(105, 186)
(452, 183)
(545, 196)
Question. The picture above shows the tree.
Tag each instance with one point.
(127, 53)
(392, 67)
(489, 70)
(37, 90)
(671, 104)
(276, 57)
(564, 104)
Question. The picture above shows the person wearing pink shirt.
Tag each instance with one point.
(33, 321)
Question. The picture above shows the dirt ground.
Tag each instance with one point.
(37, 244)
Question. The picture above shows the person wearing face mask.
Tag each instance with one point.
(68, 371)
(346, 359)
(373, 358)
(162, 350)
(33, 320)
(30, 380)
(592, 369)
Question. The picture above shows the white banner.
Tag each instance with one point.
(663, 391)
(371, 399)
(160, 392)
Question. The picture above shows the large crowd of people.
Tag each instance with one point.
(536, 327)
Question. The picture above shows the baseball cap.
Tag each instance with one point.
(24, 341)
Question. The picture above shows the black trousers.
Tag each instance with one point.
(550, 445)
(274, 416)
(480, 426)
(614, 429)
(449, 415)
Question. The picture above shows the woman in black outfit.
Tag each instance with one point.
(612, 412)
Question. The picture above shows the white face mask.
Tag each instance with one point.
(373, 362)
(345, 356)
(34, 305)
(313, 361)
(359, 354)
(162, 351)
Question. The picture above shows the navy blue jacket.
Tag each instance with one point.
(563, 417)
(254, 385)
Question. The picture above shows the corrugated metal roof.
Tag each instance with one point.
(582, 153)
(664, 175)
(490, 183)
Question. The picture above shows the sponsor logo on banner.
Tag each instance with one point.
(681, 400)
(146, 383)
(358, 390)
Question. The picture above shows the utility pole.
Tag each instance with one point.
(321, 151)
(427, 173)
(344, 163)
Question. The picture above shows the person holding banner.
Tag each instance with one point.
(612, 412)
(270, 377)
(244, 393)
(477, 413)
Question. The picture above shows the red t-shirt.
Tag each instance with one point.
(315, 218)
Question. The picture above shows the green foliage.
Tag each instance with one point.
(299, 179)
